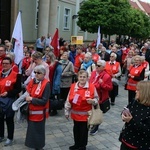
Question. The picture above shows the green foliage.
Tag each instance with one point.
(114, 17)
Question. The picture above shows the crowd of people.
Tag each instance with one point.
(81, 76)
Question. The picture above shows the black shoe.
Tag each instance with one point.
(82, 148)
(53, 113)
(74, 147)
(1, 139)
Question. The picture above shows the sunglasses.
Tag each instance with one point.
(37, 72)
(98, 65)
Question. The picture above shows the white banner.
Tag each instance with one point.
(98, 37)
(17, 35)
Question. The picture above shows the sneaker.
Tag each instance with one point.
(1, 139)
(74, 147)
(93, 131)
(112, 103)
(8, 142)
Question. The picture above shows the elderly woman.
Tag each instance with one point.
(114, 70)
(136, 74)
(66, 76)
(38, 100)
(10, 87)
(136, 133)
(80, 99)
(102, 81)
(88, 64)
(36, 60)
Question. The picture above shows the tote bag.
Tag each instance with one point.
(95, 116)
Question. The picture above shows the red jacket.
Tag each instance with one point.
(104, 87)
(77, 62)
(79, 111)
(26, 62)
(37, 112)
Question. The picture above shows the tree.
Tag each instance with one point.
(140, 24)
(111, 15)
(114, 17)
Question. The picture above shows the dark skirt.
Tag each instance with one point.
(35, 136)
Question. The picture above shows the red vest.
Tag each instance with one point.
(131, 84)
(7, 83)
(37, 112)
(112, 69)
(79, 111)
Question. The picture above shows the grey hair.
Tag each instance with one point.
(115, 55)
(88, 54)
(102, 62)
(41, 69)
(11, 55)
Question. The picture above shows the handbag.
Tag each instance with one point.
(56, 104)
(105, 106)
(115, 81)
(25, 109)
(95, 116)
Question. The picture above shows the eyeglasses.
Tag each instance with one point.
(111, 56)
(98, 65)
(37, 72)
(5, 63)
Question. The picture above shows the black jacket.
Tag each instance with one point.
(137, 131)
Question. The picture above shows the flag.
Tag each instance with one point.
(55, 43)
(17, 35)
(98, 37)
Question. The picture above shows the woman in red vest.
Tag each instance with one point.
(136, 74)
(81, 97)
(10, 87)
(113, 68)
(38, 99)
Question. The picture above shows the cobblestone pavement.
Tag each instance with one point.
(59, 130)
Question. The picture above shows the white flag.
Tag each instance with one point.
(17, 35)
(98, 37)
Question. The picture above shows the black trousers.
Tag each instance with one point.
(64, 93)
(80, 132)
(124, 147)
(131, 95)
(113, 93)
(10, 126)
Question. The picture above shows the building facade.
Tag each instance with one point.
(40, 17)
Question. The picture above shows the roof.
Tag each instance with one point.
(146, 6)
(140, 5)
(134, 4)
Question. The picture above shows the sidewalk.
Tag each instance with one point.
(59, 130)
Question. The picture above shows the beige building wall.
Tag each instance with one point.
(49, 19)
(28, 8)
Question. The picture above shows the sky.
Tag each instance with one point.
(146, 0)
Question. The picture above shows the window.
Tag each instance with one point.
(66, 19)
(36, 14)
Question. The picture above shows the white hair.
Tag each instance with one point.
(102, 62)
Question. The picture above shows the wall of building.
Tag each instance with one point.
(28, 9)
